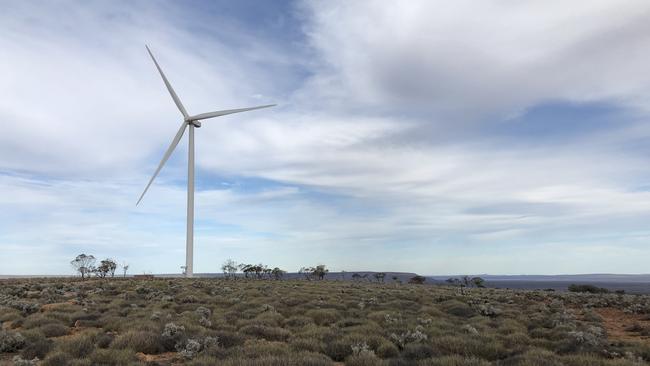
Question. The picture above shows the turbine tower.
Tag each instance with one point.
(191, 122)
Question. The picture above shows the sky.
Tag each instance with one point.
(425, 136)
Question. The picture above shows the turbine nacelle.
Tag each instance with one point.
(194, 123)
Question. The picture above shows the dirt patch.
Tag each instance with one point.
(617, 323)
(55, 306)
(166, 359)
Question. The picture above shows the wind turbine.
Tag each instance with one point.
(191, 122)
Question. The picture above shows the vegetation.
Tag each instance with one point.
(118, 321)
(85, 265)
(588, 288)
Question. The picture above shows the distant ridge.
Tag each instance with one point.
(594, 277)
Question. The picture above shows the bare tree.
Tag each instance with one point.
(125, 268)
(268, 272)
(307, 272)
(84, 264)
(379, 276)
(229, 268)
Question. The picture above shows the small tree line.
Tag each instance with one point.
(314, 273)
(85, 264)
(258, 271)
(466, 282)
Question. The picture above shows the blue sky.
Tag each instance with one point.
(423, 136)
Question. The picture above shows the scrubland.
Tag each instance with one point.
(265, 322)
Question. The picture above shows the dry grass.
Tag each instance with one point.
(256, 322)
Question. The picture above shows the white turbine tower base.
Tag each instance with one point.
(191, 122)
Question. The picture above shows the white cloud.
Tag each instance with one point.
(379, 159)
(469, 60)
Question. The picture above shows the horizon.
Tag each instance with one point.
(425, 137)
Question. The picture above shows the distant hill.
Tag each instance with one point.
(634, 284)
(595, 277)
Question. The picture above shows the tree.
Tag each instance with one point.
(320, 271)
(259, 270)
(229, 268)
(246, 269)
(418, 280)
(379, 276)
(84, 264)
(307, 272)
(125, 268)
(466, 282)
(277, 273)
(106, 267)
(453, 281)
(478, 282)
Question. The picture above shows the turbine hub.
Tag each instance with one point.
(196, 124)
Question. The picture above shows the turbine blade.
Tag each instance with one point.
(168, 85)
(224, 112)
(169, 151)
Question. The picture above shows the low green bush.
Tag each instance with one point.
(323, 316)
(139, 341)
(54, 330)
(268, 333)
(78, 346)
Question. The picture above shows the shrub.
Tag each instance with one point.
(38, 348)
(19, 361)
(54, 330)
(306, 344)
(298, 321)
(104, 340)
(457, 361)
(112, 357)
(365, 359)
(57, 359)
(139, 341)
(11, 341)
(533, 358)
(338, 350)
(417, 351)
(229, 339)
(37, 320)
(189, 349)
(268, 333)
(305, 359)
(457, 308)
(587, 288)
(203, 312)
(323, 316)
(172, 335)
(78, 346)
(387, 350)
